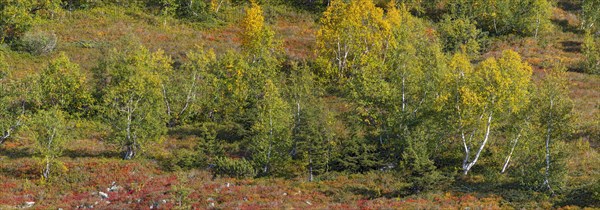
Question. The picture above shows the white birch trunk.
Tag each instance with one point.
(511, 152)
(467, 167)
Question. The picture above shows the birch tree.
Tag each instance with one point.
(186, 87)
(271, 143)
(258, 39)
(48, 128)
(483, 94)
(11, 117)
(62, 85)
(590, 13)
(554, 112)
(348, 32)
(132, 97)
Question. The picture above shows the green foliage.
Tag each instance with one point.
(311, 133)
(63, 86)
(459, 34)
(18, 16)
(181, 159)
(4, 68)
(15, 19)
(165, 7)
(237, 168)
(356, 155)
(88, 4)
(49, 129)
(417, 164)
(591, 50)
(130, 90)
(590, 10)
(12, 104)
(271, 142)
(554, 118)
(195, 10)
(501, 17)
(187, 89)
(209, 146)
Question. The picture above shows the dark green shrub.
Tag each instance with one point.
(591, 49)
(459, 34)
(236, 168)
(15, 19)
(181, 159)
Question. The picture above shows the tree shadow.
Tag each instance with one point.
(16, 153)
(569, 5)
(582, 197)
(566, 27)
(571, 46)
(578, 68)
(76, 153)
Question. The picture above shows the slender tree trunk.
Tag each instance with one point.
(548, 135)
(6, 135)
(8, 132)
(467, 167)
(129, 152)
(537, 26)
(130, 145)
(403, 94)
(266, 167)
(46, 172)
(310, 168)
(511, 152)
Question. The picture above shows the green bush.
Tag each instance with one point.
(193, 10)
(237, 168)
(87, 4)
(459, 34)
(181, 159)
(15, 19)
(591, 50)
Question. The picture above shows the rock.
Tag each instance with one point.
(103, 195)
(284, 194)
(113, 187)
(155, 205)
(28, 204)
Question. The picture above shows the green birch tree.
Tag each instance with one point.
(130, 85)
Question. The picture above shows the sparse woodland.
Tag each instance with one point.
(319, 104)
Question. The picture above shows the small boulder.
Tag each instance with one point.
(103, 195)
(28, 204)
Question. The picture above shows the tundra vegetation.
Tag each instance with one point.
(369, 104)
